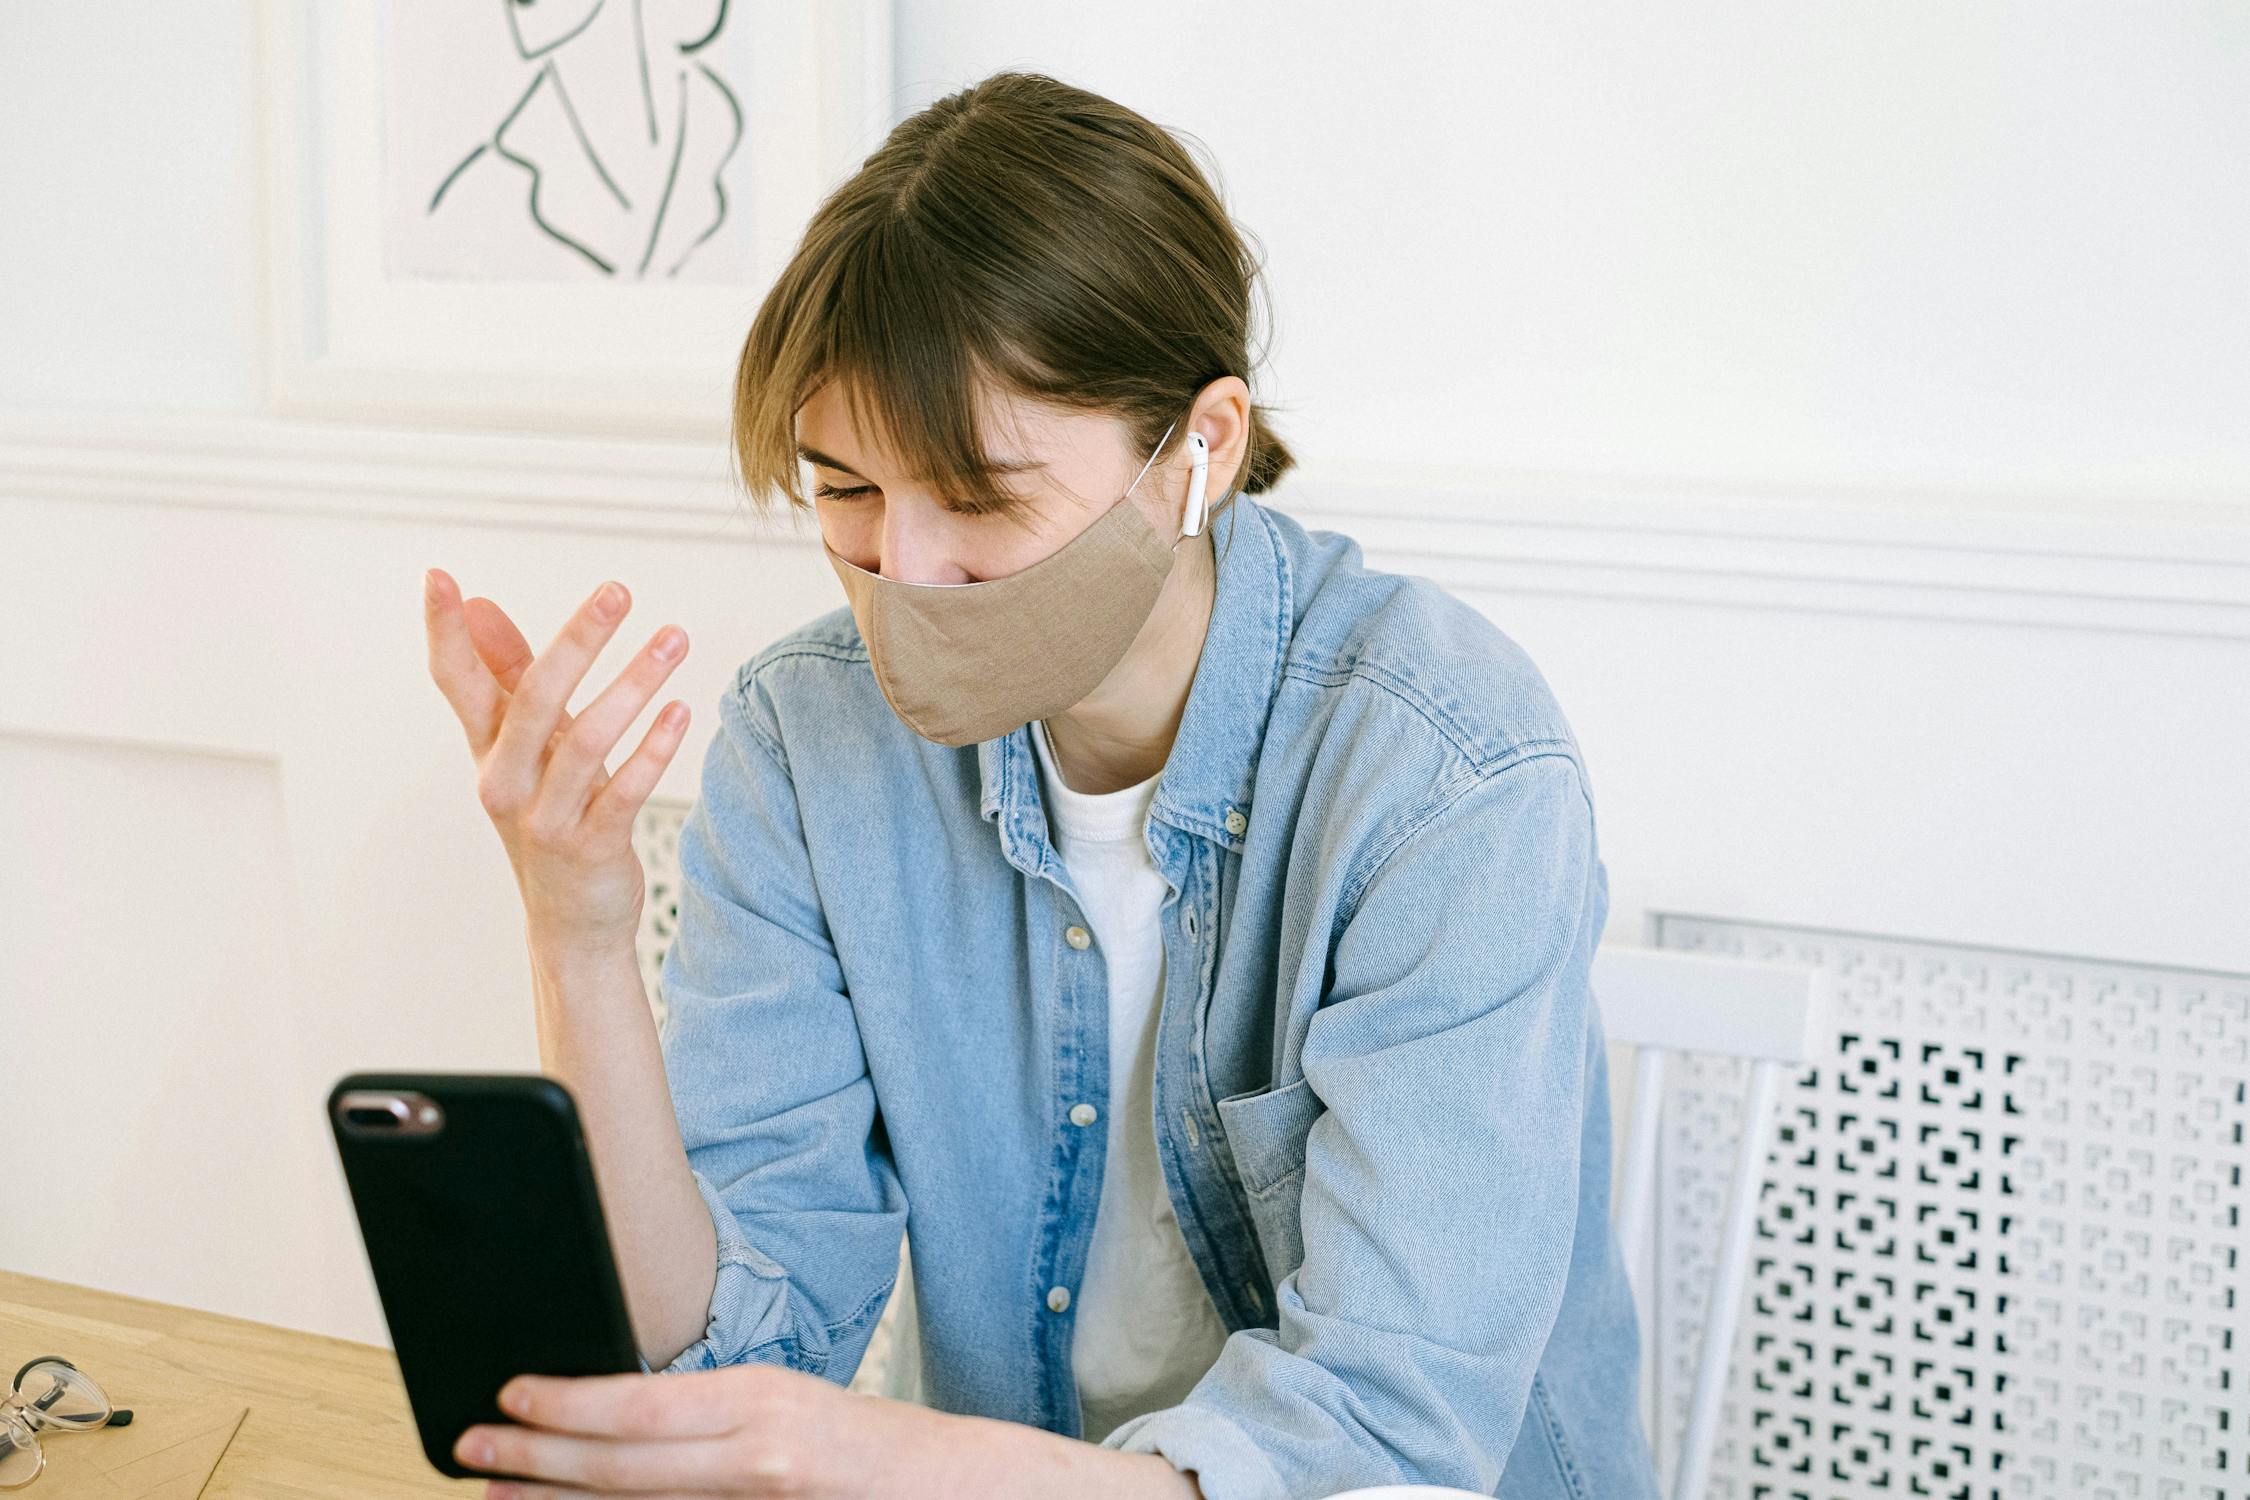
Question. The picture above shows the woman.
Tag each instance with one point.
(1191, 923)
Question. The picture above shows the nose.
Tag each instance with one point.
(916, 546)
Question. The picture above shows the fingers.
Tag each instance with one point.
(510, 686)
(511, 772)
(524, 1489)
(575, 767)
(611, 813)
(599, 1465)
(459, 671)
(686, 1404)
(504, 650)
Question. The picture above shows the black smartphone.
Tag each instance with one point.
(484, 1231)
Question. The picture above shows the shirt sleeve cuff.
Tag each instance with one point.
(750, 1288)
(1227, 1464)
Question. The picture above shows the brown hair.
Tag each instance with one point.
(1020, 234)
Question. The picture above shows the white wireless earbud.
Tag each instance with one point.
(1199, 455)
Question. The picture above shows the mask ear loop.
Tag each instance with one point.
(1199, 459)
(1159, 448)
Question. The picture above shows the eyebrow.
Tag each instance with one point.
(999, 465)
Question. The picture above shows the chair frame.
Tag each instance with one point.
(1660, 1001)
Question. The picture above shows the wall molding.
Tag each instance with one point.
(2167, 565)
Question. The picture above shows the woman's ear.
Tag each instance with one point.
(1221, 417)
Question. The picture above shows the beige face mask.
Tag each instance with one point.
(964, 662)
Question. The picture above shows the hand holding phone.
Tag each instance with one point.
(484, 1230)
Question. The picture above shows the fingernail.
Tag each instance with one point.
(512, 1400)
(608, 600)
(429, 584)
(668, 644)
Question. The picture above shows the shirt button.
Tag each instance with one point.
(1058, 1298)
(1082, 1114)
(1077, 937)
(1236, 822)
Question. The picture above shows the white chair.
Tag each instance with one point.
(1659, 1001)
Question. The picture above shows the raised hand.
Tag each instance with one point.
(542, 777)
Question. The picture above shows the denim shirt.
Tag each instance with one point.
(1381, 1097)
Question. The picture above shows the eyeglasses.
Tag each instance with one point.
(47, 1392)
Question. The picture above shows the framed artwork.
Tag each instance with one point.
(545, 214)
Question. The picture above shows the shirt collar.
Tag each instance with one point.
(1214, 757)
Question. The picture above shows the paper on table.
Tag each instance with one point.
(167, 1452)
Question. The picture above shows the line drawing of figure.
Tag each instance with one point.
(615, 149)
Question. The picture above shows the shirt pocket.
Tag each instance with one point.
(1266, 1134)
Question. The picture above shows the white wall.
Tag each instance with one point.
(1847, 410)
(1908, 242)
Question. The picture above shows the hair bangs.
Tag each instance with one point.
(905, 351)
(883, 319)
(1017, 241)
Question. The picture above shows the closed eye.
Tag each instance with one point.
(830, 492)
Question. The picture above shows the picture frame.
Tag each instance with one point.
(566, 293)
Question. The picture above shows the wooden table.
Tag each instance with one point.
(327, 1416)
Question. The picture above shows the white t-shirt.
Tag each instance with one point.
(1146, 1327)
